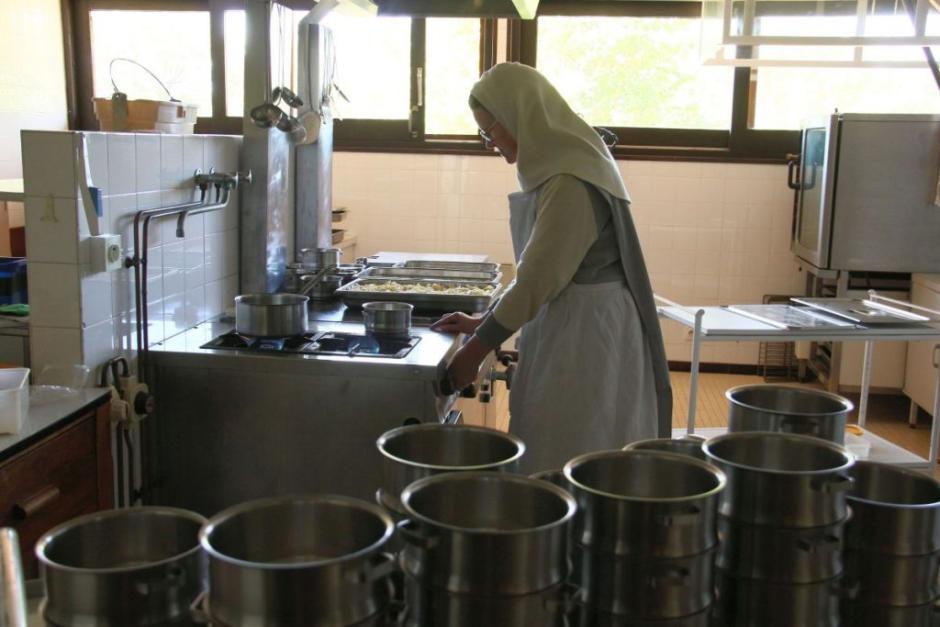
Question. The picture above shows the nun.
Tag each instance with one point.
(592, 370)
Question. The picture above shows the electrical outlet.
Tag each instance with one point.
(106, 253)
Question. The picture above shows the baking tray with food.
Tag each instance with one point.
(439, 295)
(464, 266)
(433, 274)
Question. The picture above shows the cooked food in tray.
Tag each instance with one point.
(423, 287)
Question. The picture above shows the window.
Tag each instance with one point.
(453, 66)
(234, 33)
(634, 72)
(174, 45)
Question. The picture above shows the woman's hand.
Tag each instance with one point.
(465, 365)
(457, 322)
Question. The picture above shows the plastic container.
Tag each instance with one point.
(13, 280)
(857, 445)
(14, 398)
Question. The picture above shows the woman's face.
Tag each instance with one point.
(496, 135)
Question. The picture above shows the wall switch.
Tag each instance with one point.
(106, 253)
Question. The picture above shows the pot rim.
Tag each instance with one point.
(397, 431)
(808, 439)
(499, 476)
(889, 504)
(637, 445)
(336, 499)
(847, 405)
(68, 525)
(678, 457)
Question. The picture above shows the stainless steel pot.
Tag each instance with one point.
(782, 479)
(387, 318)
(892, 580)
(139, 566)
(856, 614)
(756, 603)
(316, 258)
(780, 554)
(271, 315)
(896, 510)
(486, 533)
(645, 588)
(417, 451)
(648, 503)
(299, 560)
(788, 410)
(430, 607)
(324, 288)
(683, 446)
(586, 617)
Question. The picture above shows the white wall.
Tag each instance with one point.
(711, 233)
(78, 316)
(32, 75)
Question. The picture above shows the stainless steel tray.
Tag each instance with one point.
(353, 295)
(863, 311)
(466, 266)
(432, 273)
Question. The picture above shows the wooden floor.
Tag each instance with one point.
(887, 414)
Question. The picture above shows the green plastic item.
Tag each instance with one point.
(20, 309)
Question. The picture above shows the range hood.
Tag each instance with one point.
(459, 8)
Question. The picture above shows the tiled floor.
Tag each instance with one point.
(887, 414)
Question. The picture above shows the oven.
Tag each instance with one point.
(865, 193)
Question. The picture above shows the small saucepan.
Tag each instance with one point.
(387, 318)
(271, 315)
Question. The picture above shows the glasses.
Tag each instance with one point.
(485, 133)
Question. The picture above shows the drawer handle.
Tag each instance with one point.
(936, 355)
(32, 505)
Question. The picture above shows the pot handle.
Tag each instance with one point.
(801, 423)
(669, 575)
(175, 577)
(571, 595)
(405, 527)
(688, 514)
(846, 590)
(822, 542)
(834, 483)
(386, 567)
(198, 611)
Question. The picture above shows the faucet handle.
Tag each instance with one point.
(243, 177)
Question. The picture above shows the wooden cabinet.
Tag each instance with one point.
(62, 476)
(920, 379)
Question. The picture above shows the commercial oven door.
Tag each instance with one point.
(813, 221)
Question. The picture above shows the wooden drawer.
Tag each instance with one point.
(49, 483)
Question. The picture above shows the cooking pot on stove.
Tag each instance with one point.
(271, 315)
(387, 318)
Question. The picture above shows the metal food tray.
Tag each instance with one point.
(466, 266)
(432, 273)
(440, 302)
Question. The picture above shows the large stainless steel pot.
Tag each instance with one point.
(855, 614)
(645, 588)
(486, 533)
(756, 603)
(789, 410)
(586, 617)
(648, 503)
(271, 315)
(896, 510)
(387, 318)
(298, 560)
(416, 451)
(782, 479)
(430, 607)
(780, 554)
(139, 566)
(892, 580)
(684, 446)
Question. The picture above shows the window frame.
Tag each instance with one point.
(738, 144)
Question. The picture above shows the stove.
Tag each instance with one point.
(322, 343)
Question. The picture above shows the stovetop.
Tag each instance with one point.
(320, 343)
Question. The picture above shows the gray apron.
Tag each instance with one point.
(571, 393)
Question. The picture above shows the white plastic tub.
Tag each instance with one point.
(14, 398)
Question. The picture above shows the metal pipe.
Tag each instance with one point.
(13, 607)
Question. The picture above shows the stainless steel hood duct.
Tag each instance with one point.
(459, 8)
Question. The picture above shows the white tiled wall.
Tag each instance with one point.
(78, 316)
(711, 233)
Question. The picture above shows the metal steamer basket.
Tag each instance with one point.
(414, 452)
(300, 560)
(788, 410)
(478, 533)
(782, 479)
(139, 566)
